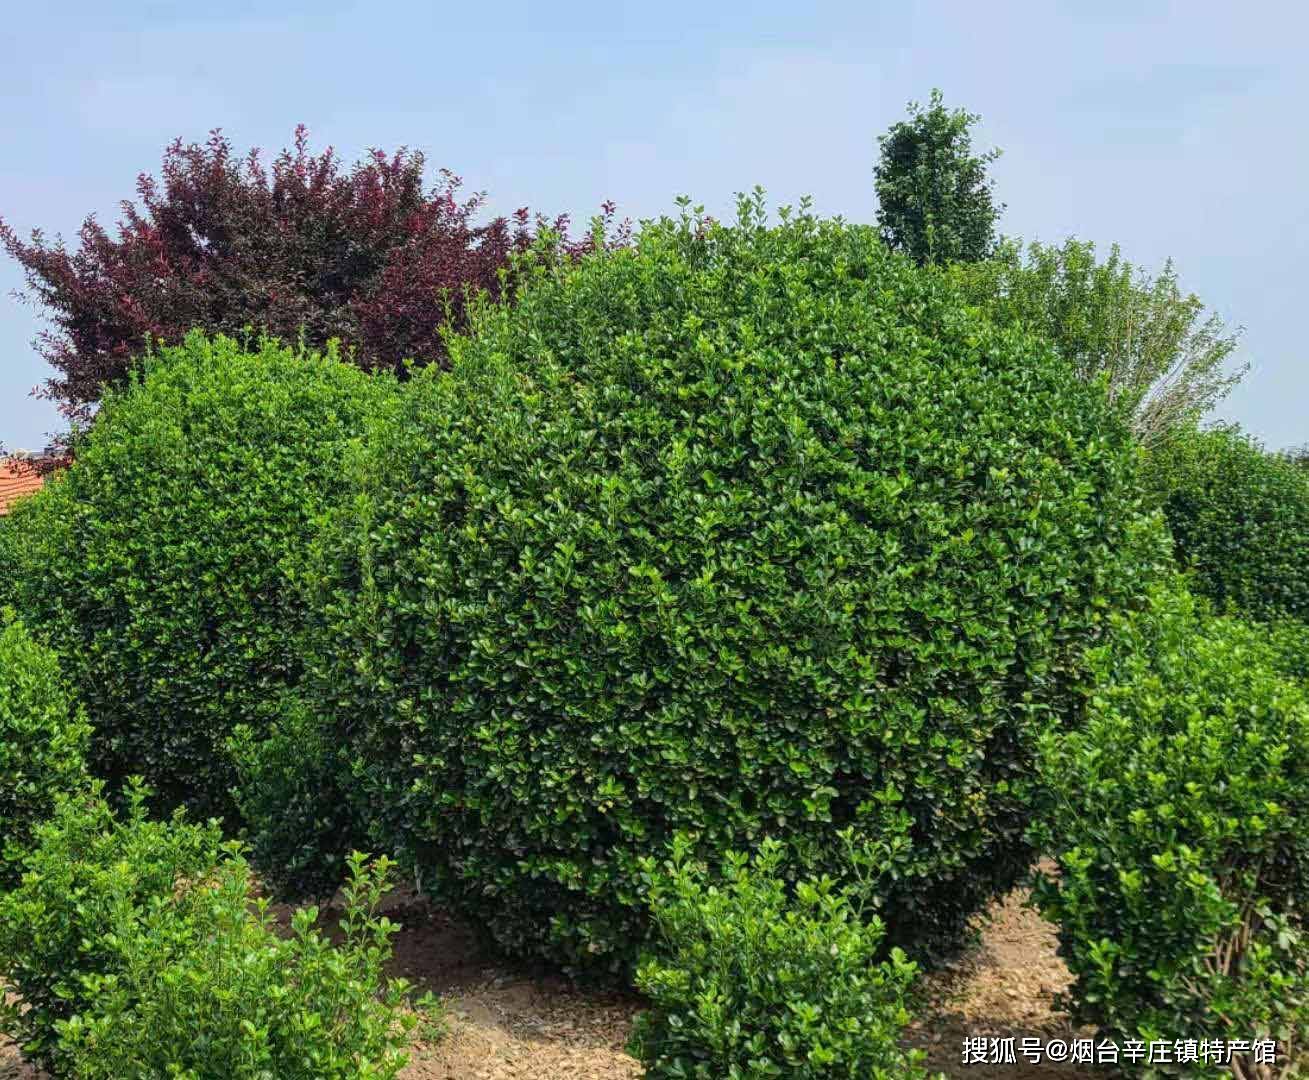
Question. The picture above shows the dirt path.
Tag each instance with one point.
(1005, 989)
(504, 1025)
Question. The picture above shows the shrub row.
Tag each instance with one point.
(745, 531)
(742, 536)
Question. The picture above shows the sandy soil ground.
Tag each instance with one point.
(1005, 988)
(503, 1024)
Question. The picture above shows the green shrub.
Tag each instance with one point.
(1240, 521)
(42, 741)
(749, 981)
(1161, 355)
(746, 531)
(218, 995)
(298, 821)
(1289, 639)
(1180, 827)
(135, 949)
(86, 879)
(161, 566)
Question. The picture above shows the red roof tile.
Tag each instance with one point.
(17, 478)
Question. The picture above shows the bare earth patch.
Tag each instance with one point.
(504, 1024)
(1004, 989)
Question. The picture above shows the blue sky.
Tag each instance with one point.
(1173, 129)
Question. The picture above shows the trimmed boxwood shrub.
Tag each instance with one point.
(1239, 518)
(162, 565)
(747, 979)
(1179, 824)
(747, 531)
(43, 738)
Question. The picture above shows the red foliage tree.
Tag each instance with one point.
(368, 255)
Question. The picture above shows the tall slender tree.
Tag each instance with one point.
(936, 202)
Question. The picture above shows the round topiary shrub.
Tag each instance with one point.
(745, 532)
(43, 737)
(1239, 518)
(161, 565)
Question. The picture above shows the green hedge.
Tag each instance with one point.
(1179, 824)
(748, 980)
(162, 565)
(746, 531)
(43, 738)
(1239, 518)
